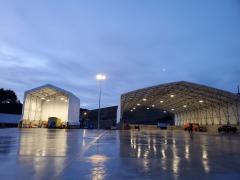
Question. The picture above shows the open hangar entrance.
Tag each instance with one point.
(189, 102)
(49, 101)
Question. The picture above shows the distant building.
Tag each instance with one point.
(9, 120)
(148, 116)
(108, 118)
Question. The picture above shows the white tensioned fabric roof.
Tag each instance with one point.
(177, 97)
(49, 91)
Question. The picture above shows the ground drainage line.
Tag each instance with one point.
(80, 154)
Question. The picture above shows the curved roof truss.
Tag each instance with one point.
(177, 97)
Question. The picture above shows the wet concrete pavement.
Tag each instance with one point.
(92, 154)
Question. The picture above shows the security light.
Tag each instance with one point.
(101, 77)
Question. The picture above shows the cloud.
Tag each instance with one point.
(135, 44)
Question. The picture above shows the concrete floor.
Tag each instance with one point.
(91, 154)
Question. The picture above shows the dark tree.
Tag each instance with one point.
(8, 97)
(9, 102)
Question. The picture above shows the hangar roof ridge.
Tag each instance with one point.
(48, 85)
(186, 95)
(180, 83)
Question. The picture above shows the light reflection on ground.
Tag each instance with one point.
(92, 154)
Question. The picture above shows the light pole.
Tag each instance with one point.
(99, 78)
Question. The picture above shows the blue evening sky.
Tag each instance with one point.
(136, 43)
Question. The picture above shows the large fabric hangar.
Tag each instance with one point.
(49, 105)
(190, 103)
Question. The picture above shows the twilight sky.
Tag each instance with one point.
(136, 43)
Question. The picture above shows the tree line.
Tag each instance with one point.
(9, 102)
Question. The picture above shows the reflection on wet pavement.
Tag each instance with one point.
(92, 154)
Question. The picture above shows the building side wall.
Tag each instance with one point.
(74, 110)
(217, 115)
(32, 108)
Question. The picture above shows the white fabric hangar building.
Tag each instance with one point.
(50, 101)
(189, 102)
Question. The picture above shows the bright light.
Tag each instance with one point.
(138, 104)
(164, 111)
(48, 100)
(184, 106)
(42, 98)
(85, 113)
(66, 101)
(101, 77)
(201, 101)
(144, 99)
(161, 101)
(147, 108)
(153, 105)
(62, 98)
(172, 95)
(172, 109)
(134, 108)
(131, 110)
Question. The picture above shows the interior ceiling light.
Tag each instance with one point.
(66, 101)
(131, 110)
(42, 98)
(148, 108)
(134, 108)
(153, 105)
(144, 99)
(62, 98)
(172, 109)
(164, 111)
(48, 100)
(172, 95)
(138, 104)
(185, 106)
(161, 101)
(201, 101)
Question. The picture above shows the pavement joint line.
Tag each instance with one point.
(80, 154)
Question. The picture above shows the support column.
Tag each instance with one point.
(219, 113)
(237, 112)
(228, 120)
(206, 113)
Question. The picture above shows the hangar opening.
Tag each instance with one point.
(189, 102)
(49, 105)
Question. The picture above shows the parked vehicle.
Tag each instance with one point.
(227, 129)
(196, 127)
(162, 125)
(202, 129)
